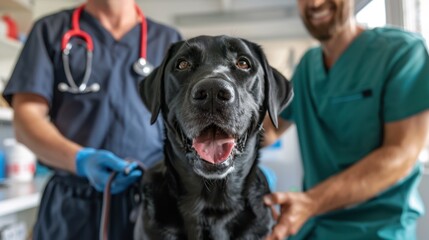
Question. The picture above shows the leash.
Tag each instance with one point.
(105, 212)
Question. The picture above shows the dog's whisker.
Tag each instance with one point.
(209, 184)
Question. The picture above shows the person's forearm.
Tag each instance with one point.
(46, 142)
(364, 180)
(40, 135)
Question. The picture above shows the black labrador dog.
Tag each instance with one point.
(213, 94)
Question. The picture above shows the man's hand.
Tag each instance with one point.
(97, 165)
(296, 209)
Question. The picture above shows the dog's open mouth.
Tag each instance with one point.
(214, 145)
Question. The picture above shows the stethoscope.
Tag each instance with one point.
(142, 67)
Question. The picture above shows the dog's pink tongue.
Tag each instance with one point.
(213, 146)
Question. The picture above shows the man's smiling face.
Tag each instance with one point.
(324, 18)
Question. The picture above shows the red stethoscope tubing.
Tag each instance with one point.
(143, 42)
(77, 32)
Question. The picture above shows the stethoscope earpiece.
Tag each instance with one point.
(95, 87)
(63, 87)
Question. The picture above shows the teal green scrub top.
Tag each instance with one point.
(383, 76)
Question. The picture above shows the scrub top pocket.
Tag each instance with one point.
(354, 118)
(367, 93)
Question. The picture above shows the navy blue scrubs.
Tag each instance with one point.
(113, 118)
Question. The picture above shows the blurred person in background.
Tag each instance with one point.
(83, 121)
(361, 113)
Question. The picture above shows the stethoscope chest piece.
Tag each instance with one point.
(143, 67)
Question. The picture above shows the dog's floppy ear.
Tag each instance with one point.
(152, 87)
(278, 90)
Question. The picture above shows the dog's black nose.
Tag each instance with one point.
(212, 91)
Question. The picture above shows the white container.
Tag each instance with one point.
(20, 161)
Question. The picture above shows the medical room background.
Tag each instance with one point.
(274, 24)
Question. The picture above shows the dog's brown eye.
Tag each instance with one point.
(183, 65)
(243, 63)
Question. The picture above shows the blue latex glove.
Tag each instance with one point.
(97, 165)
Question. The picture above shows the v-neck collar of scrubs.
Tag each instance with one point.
(349, 54)
(105, 36)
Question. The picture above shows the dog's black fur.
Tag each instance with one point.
(221, 87)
